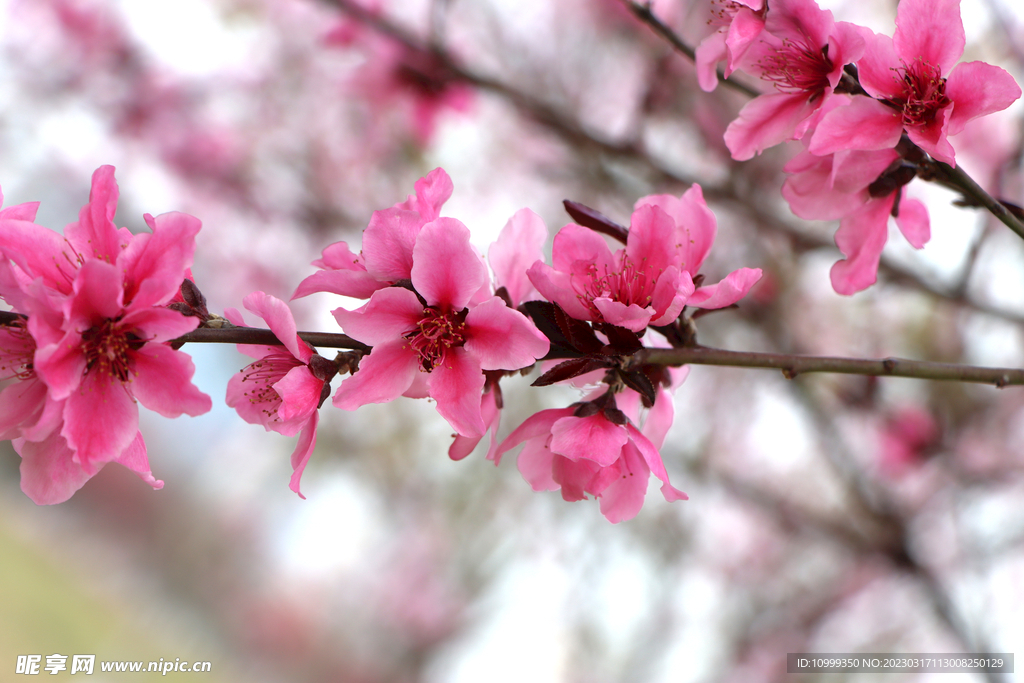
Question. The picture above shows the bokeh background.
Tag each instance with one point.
(826, 514)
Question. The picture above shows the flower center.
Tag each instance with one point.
(106, 348)
(923, 92)
(263, 375)
(17, 348)
(435, 333)
(795, 67)
(628, 285)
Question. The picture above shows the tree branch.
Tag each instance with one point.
(793, 365)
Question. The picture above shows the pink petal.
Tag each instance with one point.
(502, 338)
(932, 137)
(456, 384)
(799, 21)
(863, 124)
(861, 237)
(40, 252)
(155, 264)
(163, 382)
(660, 417)
(575, 243)
(303, 450)
(696, 225)
(977, 89)
(94, 235)
(631, 317)
(20, 212)
(727, 292)
(432, 191)
(134, 458)
(929, 30)
(338, 256)
(877, 68)
(766, 121)
(358, 284)
(446, 270)
(300, 394)
(556, 286)
(464, 445)
(281, 322)
(623, 497)
(158, 324)
(592, 438)
(519, 245)
(652, 245)
(21, 404)
(97, 294)
(390, 314)
(745, 28)
(709, 53)
(49, 475)
(100, 420)
(653, 460)
(61, 365)
(536, 464)
(574, 477)
(670, 295)
(382, 376)
(388, 243)
(538, 424)
(914, 223)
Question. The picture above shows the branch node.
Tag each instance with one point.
(789, 373)
(889, 366)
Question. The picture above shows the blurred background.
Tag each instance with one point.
(826, 514)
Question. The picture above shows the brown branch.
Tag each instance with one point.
(793, 365)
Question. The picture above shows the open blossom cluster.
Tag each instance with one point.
(95, 313)
(866, 107)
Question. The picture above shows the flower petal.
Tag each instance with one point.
(727, 292)
(502, 338)
(163, 382)
(519, 245)
(281, 322)
(382, 376)
(303, 450)
(100, 421)
(456, 384)
(592, 438)
(929, 30)
(447, 271)
(388, 315)
(49, 475)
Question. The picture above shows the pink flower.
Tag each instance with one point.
(388, 240)
(802, 52)
(284, 387)
(96, 304)
(917, 86)
(736, 23)
(650, 281)
(863, 189)
(438, 329)
(591, 449)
